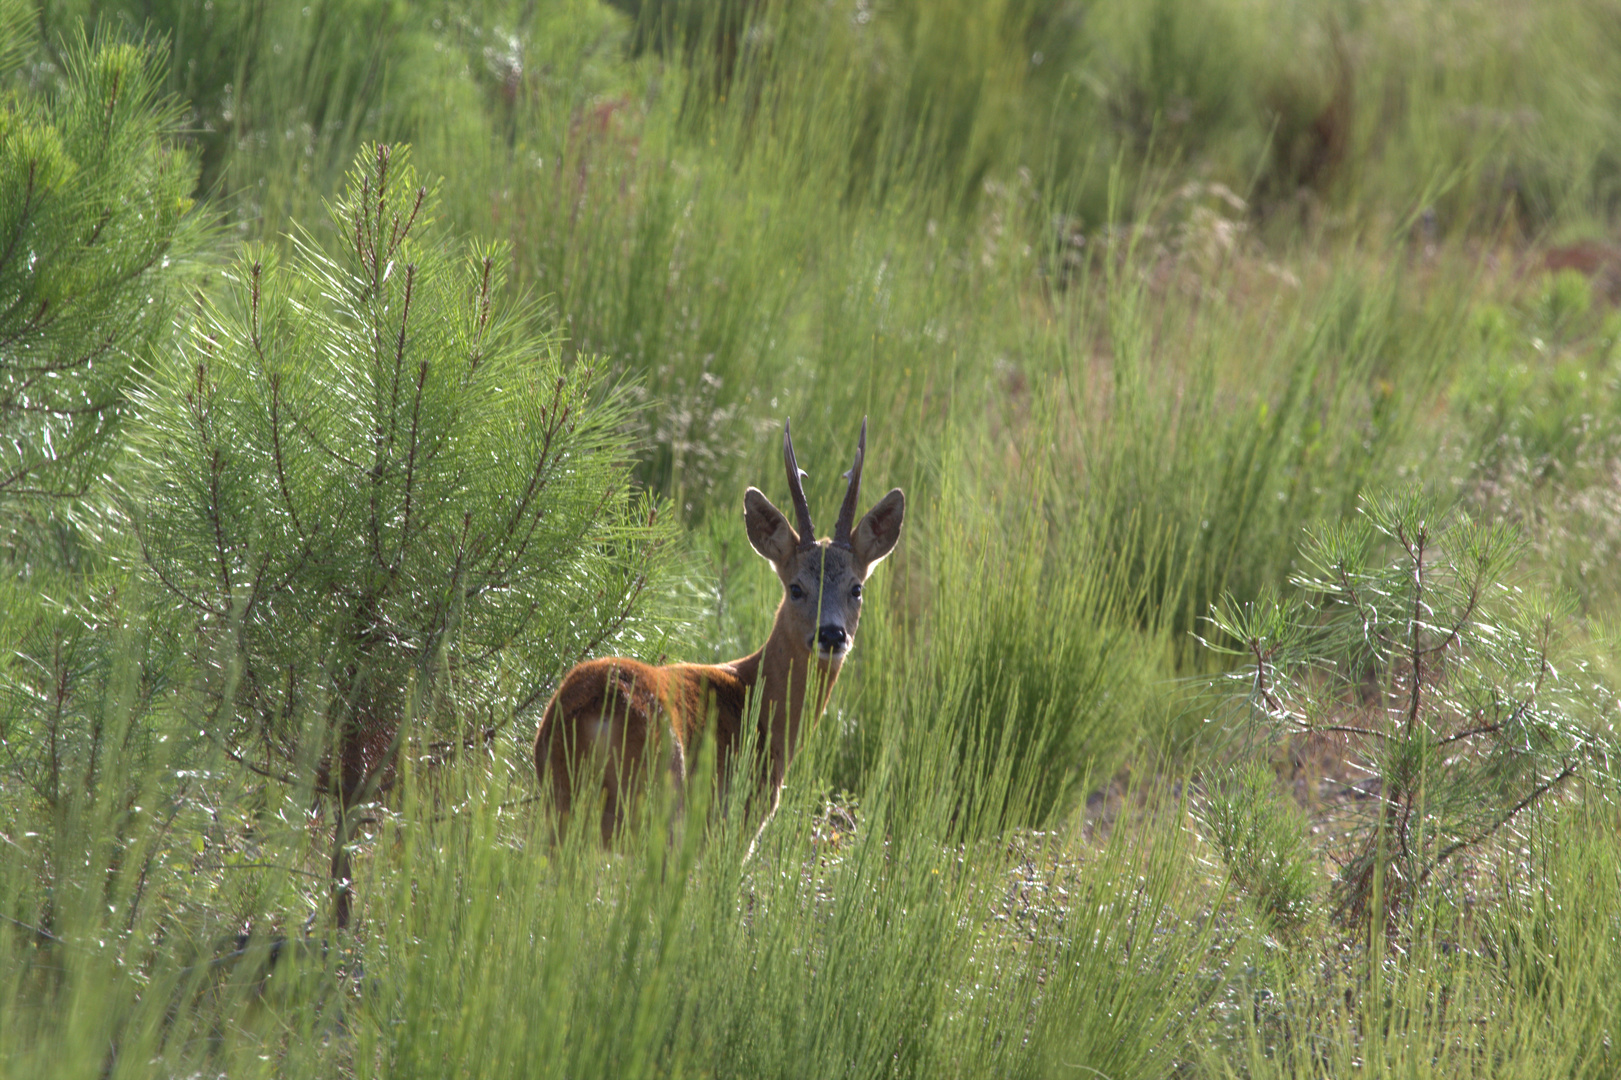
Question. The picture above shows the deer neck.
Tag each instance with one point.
(792, 687)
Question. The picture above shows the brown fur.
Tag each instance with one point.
(626, 714)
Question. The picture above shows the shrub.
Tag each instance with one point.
(1452, 685)
(94, 201)
(96, 235)
(384, 500)
(1262, 842)
(1026, 662)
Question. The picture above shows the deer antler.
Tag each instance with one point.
(807, 531)
(847, 512)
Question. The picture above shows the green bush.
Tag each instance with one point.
(280, 97)
(1454, 689)
(1026, 662)
(387, 505)
(1263, 843)
(95, 224)
(98, 240)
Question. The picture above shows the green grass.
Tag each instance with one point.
(1124, 320)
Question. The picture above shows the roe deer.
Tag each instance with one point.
(615, 711)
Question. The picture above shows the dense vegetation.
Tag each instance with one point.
(1240, 700)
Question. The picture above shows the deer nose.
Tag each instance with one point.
(831, 637)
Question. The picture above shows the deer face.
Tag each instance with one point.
(822, 599)
(822, 580)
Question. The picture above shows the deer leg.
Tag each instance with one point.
(552, 745)
(622, 739)
(610, 814)
(617, 784)
(776, 800)
(562, 799)
(677, 768)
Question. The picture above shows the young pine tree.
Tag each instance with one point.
(1449, 682)
(383, 499)
(96, 235)
(94, 201)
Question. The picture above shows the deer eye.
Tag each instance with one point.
(796, 592)
(855, 592)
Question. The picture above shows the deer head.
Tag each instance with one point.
(822, 579)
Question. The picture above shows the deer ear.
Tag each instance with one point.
(769, 532)
(876, 534)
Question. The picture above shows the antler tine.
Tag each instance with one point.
(847, 512)
(807, 531)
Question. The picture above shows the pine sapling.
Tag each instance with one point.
(1414, 641)
(385, 500)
